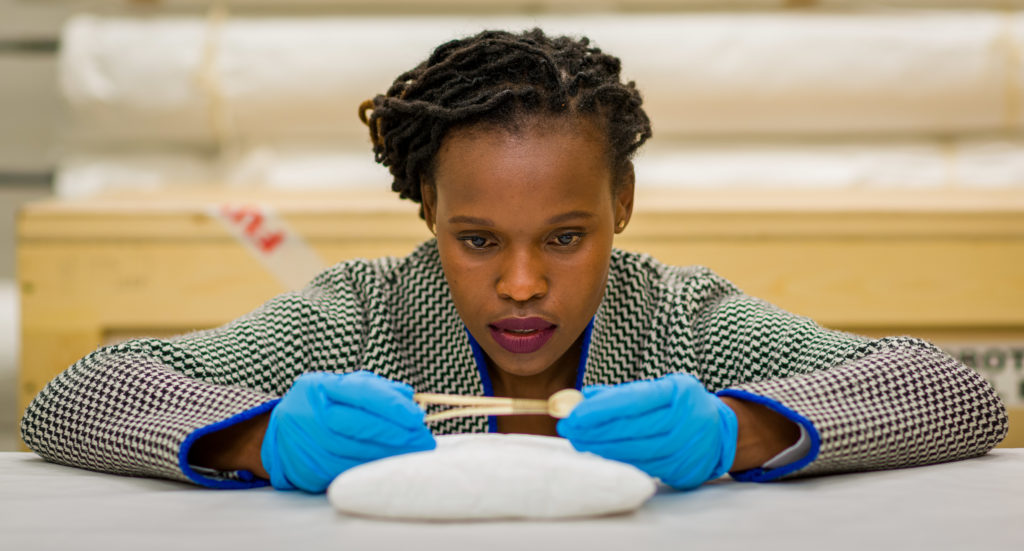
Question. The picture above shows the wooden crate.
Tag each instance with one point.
(946, 266)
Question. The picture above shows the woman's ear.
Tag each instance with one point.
(624, 197)
(428, 204)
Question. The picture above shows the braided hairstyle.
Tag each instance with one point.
(500, 78)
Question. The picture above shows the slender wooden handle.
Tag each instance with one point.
(491, 401)
(479, 405)
(559, 405)
(455, 400)
(466, 412)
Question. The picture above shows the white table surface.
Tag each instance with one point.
(966, 505)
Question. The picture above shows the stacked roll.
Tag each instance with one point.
(495, 5)
(726, 91)
(904, 164)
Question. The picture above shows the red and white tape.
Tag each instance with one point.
(282, 251)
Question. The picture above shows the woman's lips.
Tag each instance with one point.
(522, 335)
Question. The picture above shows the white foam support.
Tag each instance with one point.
(245, 81)
(491, 477)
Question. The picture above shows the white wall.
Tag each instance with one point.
(30, 109)
(30, 114)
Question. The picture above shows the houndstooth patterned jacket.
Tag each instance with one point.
(135, 408)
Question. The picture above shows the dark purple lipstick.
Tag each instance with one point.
(522, 335)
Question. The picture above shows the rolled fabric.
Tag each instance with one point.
(904, 164)
(606, 4)
(971, 163)
(192, 80)
(990, 164)
(308, 168)
(802, 165)
(134, 79)
(824, 73)
(82, 175)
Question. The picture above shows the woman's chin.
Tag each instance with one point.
(521, 369)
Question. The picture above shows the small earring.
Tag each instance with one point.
(621, 225)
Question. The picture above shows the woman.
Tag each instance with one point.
(518, 148)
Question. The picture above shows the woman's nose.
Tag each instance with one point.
(522, 277)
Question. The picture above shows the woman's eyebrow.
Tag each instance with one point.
(556, 219)
(460, 219)
(571, 215)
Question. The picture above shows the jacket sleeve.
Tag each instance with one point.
(135, 408)
(866, 403)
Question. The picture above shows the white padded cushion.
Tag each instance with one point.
(491, 476)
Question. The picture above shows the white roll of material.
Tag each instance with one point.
(207, 81)
(190, 80)
(923, 164)
(86, 175)
(491, 476)
(826, 74)
(806, 165)
(610, 4)
(309, 168)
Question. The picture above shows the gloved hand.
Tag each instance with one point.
(671, 428)
(327, 423)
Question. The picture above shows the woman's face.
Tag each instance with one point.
(524, 223)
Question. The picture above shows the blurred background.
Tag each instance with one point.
(130, 129)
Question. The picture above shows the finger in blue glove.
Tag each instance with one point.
(671, 428)
(328, 423)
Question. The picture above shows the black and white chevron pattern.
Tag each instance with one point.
(127, 409)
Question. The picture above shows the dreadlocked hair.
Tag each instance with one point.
(498, 78)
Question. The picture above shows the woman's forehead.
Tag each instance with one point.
(536, 170)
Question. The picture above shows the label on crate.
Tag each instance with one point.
(282, 251)
(1001, 363)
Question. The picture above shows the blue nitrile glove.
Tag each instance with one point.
(671, 428)
(327, 423)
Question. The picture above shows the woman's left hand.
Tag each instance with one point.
(670, 427)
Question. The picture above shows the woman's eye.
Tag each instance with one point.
(568, 239)
(474, 241)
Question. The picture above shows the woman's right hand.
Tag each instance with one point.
(328, 423)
